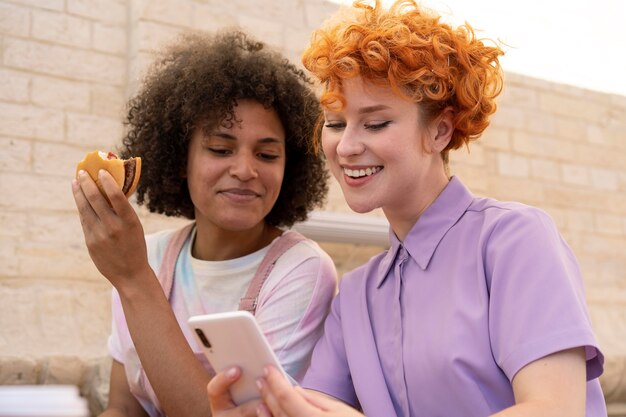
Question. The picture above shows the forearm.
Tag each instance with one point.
(176, 376)
(536, 408)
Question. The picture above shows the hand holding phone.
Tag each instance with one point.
(235, 339)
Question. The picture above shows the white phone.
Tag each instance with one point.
(234, 338)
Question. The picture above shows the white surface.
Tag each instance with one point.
(575, 42)
(42, 401)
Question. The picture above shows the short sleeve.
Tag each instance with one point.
(329, 371)
(537, 303)
(294, 302)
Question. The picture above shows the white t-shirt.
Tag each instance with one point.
(291, 308)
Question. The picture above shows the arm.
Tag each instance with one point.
(552, 386)
(111, 234)
(294, 303)
(121, 402)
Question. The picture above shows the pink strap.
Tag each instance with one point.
(168, 264)
(284, 242)
(249, 300)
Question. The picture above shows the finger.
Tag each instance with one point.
(93, 195)
(282, 398)
(318, 399)
(88, 217)
(118, 201)
(217, 389)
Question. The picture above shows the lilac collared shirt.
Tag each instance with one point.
(439, 324)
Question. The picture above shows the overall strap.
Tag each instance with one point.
(168, 264)
(280, 246)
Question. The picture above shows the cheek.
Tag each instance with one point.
(329, 146)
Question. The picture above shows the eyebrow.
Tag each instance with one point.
(228, 136)
(372, 109)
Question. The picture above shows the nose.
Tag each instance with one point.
(350, 143)
(243, 167)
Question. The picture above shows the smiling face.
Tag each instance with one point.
(234, 173)
(381, 152)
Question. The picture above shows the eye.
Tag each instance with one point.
(377, 126)
(334, 125)
(220, 151)
(268, 156)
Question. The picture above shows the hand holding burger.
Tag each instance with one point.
(125, 172)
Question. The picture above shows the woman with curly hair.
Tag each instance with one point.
(223, 126)
(477, 308)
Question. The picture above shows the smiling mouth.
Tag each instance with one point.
(240, 192)
(360, 173)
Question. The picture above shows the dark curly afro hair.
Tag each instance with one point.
(197, 82)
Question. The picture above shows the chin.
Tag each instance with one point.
(360, 207)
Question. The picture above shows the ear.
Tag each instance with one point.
(441, 130)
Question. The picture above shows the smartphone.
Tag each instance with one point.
(231, 339)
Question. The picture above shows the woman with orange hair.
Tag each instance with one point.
(477, 308)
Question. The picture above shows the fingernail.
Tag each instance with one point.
(266, 371)
(101, 172)
(231, 373)
(259, 384)
(81, 173)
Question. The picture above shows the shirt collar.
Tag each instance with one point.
(430, 228)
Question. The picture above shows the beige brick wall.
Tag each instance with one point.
(67, 68)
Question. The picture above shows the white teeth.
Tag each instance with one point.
(357, 173)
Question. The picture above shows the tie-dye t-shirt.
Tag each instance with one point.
(292, 304)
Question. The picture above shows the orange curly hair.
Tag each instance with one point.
(419, 57)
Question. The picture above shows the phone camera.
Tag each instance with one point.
(203, 338)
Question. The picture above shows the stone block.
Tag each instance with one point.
(516, 189)
(63, 61)
(579, 220)
(572, 129)
(565, 105)
(474, 155)
(9, 263)
(154, 36)
(108, 102)
(61, 28)
(65, 370)
(171, 12)
(545, 169)
(109, 38)
(209, 17)
(511, 165)
(519, 96)
(600, 156)
(496, 138)
(610, 224)
(31, 192)
(541, 123)
(14, 20)
(509, 117)
(70, 263)
(264, 29)
(543, 146)
(54, 93)
(110, 11)
(19, 370)
(16, 155)
(25, 121)
(56, 159)
(604, 179)
(575, 174)
(14, 86)
(44, 4)
(91, 131)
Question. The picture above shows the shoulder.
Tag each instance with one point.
(502, 216)
(156, 244)
(305, 249)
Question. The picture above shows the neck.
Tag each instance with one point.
(215, 244)
(404, 218)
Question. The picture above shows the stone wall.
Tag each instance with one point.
(67, 68)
